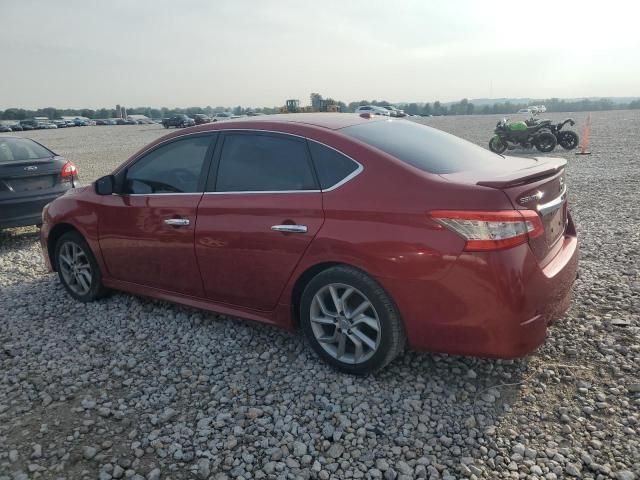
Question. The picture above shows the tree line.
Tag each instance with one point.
(463, 107)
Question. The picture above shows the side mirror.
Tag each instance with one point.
(104, 185)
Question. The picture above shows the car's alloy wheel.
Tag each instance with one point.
(345, 323)
(350, 321)
(75, 267)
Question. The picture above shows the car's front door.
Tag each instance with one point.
(261, 210)
(147, 230)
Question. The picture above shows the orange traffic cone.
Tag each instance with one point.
(585, 137)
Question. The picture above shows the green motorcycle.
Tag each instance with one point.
(509, 135)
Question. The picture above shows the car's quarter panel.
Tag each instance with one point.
(493, 304)
(138, 245)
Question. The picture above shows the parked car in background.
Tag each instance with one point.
(201, 119)
(179, 121)
(79, 122)
(31, 176)
(5, 128)
(29, 124)
(47, 125)
(221, 116)
(15, 127)
(101, 121)
(298, 224)
(394, 112)
(60, 123)
(373, 110)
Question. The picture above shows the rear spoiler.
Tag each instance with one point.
(550, 167)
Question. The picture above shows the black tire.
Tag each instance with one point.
(545, 142)
(568, 139)
(390, 337)
(97, 289)
(497, 145)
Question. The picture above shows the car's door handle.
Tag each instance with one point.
(177, 222)
(290, 228)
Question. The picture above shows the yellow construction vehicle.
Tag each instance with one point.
(293, 106)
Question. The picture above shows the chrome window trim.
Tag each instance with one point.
(346, 179)
(153, 194)
(234, 192)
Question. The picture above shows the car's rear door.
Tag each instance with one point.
(147, 231)
(259, 214)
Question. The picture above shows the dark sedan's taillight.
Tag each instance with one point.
(69, 173)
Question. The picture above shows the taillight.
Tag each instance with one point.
(69, 170)
(491, 230)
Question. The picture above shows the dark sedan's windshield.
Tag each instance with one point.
(426, 148)
(21, 149)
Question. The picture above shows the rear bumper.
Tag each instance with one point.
(496, 304)
(24, 211)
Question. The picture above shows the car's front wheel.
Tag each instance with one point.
(77, 268)
(351, 321)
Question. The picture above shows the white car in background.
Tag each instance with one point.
(395, 112)
(373, 110)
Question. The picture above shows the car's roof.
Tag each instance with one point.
(331, 121)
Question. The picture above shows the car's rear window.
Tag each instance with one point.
(426, 148)
(20, 149)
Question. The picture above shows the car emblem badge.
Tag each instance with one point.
(536, 196)
(31, 168)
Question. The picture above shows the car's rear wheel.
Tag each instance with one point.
(351, 321)
(77, 268)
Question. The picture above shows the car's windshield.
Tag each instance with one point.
(426, 148)
(19, 149)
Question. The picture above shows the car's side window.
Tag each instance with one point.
(332, 166)
(264, 162)
(173, 168)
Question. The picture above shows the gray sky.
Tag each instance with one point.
(73, 53)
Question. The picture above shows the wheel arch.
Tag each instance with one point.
(303, 280)
(54, 235)
(306, 276)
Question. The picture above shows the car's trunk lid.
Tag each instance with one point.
(29, 176)
(536, 184)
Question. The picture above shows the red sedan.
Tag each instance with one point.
(369, 233)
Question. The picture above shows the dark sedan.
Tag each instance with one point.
(31, 176)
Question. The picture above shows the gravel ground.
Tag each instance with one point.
(135, 388)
